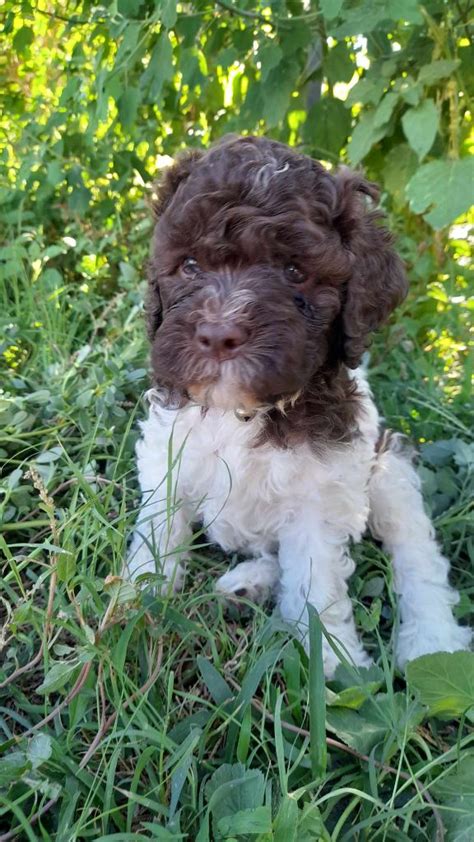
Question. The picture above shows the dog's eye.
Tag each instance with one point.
(293, 274)
(190, 266)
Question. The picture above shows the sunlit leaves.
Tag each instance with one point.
(161, 75)
(440, 190)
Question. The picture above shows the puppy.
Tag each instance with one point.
(268, 274)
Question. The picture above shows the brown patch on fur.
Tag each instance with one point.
(244, 211)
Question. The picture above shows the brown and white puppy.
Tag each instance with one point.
(268, 275)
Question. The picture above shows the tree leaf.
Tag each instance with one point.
(338, 66)
(128, 106)
(129, 8)
(168, 13)
(327, 126)
(441, 187)
(385, 109)
(420, 126)
(365, 134)
(431, 73)
(369, 90)
(23, 38)
(269, 56)
(331, 8)
(277, 91)
(160, 67)
(400, 164)
(444, 682)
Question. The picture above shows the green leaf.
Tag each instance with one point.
(440, 190)
(331, 8)
(456, 791)
(375, 720)
(128, 106)
(218, 688)
(353, 689)
(39, 750)
(22, 39)
(168, 13)
(258, 820)
(444, 682)
(317, 696)
(12, 767)
(57, 676)
(365, 134)
(338, 66)
(385, 109)
(269, 56)
(400, 164)
(310, 825)
(79, 200)
(420, 126)
(160, 67)
(327, 126)
(286, 822)
(277, 92)
(367, 16)
(431, 73)
(120, 590)
(233, 788)
(49, 456)
(129, 8)
(368, 91)
(55, 173)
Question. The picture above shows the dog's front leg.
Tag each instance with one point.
(163, 532)
(160, 543)
(399, 520)
(315, 566)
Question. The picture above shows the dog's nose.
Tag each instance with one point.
(220, 340)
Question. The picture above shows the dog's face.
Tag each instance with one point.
(265, 269)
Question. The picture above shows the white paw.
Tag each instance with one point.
(255, 580)
(416, 639)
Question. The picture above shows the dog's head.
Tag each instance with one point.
(265, 269)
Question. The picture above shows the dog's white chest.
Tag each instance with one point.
(241, 491)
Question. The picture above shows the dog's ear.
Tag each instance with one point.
(378, 282)
(153, 310)
(164, 191)
(171, 178)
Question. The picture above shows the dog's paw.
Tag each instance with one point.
(419, 639)
(253, 580)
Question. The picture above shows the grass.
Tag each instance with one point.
(126, 716)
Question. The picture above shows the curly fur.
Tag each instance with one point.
(290, 266)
